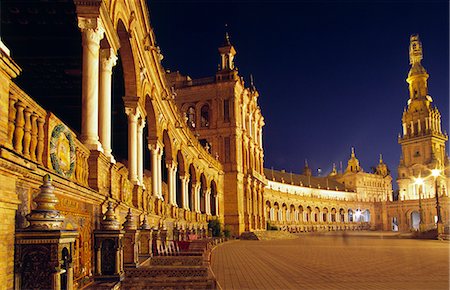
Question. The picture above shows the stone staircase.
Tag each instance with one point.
(187, 269)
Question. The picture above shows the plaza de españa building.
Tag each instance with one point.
(100, 146)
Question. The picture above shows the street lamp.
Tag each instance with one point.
(435, 173)
(419, 182)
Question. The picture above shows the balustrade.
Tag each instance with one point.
(28, 128)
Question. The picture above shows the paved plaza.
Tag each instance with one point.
(332, 262)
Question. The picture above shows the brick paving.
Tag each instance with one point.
(332, 262)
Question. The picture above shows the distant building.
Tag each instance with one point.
(339, 201)
(376, 186)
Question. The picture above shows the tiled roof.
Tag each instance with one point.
(303, 180)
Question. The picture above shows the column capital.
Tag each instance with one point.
(172, 165)
(108, 59)
(132, 114)
(91, 28)
(141, 123)
(155, 146)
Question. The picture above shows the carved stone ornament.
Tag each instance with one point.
(45, 216)
(130, 223)
(110, 221)
(62, 151)
(145, 225)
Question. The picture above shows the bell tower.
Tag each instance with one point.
(227, 70)
(422, 139)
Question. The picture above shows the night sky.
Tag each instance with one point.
(331, 74)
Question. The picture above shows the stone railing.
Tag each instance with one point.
(39, 136)
(26, 126)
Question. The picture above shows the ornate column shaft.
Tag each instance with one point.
(92, 33)
(170, 182)
(159, 173)
(173, 184)
(154, 149)
(208, 202)
(184, 191)
(108, 59)
(197, 197)
(140, 152)
(216, 203)
(132, 144)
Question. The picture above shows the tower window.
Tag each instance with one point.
(227, 148)
(204, 114)
(191, 117)
(226, 110)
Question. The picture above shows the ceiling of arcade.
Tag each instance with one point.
(45, 41)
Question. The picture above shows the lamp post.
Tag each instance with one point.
(436, 173)
(419, 182)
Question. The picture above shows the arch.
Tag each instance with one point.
(333, 215)
(357, 215)
(284, 212)
(341, 215)
(128, 61)
(191, 116)
(325, 214)
(277, 211)
(316, 214)
(308, 213)
(365, 216)
(181, 163)
(205, 116)
(203, 189)
(181, 171)
(191, 184)
(292, 213)
(168, 150)
(152, 124)
(350, 215)
(300, 213)
(214, 197)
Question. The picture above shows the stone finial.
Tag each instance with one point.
(145, 225)
(45, 216)
(130, 223)
(110, 221)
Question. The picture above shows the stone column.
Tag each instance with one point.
(171, 183)
(196, 203)
(91, 34)
(208, 201)
(216, 204)
(108, 59)
(140, 153)
(132, 144)
(159, 172)
(154, 157)
(184, 191)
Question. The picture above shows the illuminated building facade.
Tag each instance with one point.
(224, 115)
(340, 201)
(154, 152)
(423, 149)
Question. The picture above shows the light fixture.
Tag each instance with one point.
(435, 172)
(418, 180)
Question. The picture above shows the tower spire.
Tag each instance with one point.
(415, 50)
(227, 70)
(417, 76)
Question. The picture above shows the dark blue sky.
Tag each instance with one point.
(331, 74)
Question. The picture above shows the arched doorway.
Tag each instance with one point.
(415, 220)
